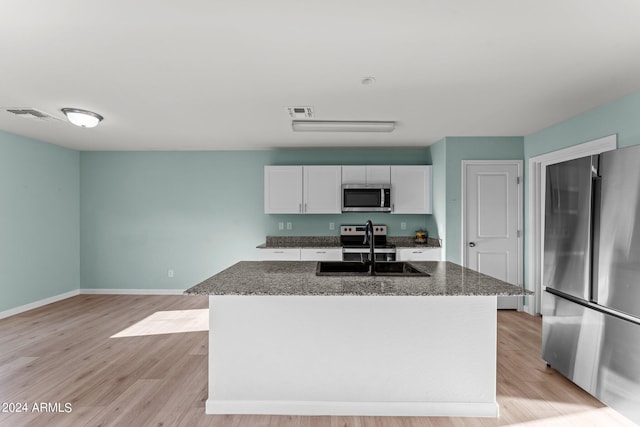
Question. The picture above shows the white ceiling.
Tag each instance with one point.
(210, 75)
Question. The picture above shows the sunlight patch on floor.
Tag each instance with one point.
(590, 418)
(168, 322)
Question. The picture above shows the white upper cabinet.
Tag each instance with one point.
(354, 174)
(366, 175)
(411, 190)
(302, 189)
(379, 175)
(282, 189)
(322, 189)
(317, 189)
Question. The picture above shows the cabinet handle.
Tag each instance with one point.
(321, 252)
(393, 207)
(300, 207)
(416, 252)
(305, 207)
(278, 252)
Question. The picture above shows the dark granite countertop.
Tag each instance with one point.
(299, 278)
(409, 242)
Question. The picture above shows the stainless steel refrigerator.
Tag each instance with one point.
(591, 301)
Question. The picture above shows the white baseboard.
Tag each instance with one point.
(39, 303)
(90, 291)
(411, 409)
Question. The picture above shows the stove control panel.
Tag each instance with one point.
(358, 230)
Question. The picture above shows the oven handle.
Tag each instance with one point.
(366, 250)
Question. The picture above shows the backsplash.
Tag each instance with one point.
(319, 225)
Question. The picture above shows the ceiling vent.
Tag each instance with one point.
(300, 112)
(31, 113)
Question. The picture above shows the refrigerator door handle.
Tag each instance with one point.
(596, 185)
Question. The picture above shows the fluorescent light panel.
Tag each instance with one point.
(341, 126)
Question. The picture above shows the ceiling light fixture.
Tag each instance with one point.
(341, 126)
(82, 118)
(368, 81)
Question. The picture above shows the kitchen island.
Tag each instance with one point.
(285, 341)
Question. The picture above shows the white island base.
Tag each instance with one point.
(353, 355)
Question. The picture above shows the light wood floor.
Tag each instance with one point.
(64, 353)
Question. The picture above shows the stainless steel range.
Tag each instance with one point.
(354, 248)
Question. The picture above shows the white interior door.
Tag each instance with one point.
(492, 219)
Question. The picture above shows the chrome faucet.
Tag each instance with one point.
(368, 238)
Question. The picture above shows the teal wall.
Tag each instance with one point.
(39, 221)
(618, 117)
(143, 213)
(457, 149)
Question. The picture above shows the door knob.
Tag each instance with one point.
(472, 245)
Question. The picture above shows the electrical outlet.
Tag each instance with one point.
(403, 226)
(289, 226)
(170, 272)
(332, 226)
(281, 226)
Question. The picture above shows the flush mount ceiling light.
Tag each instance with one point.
(341, 126)
(82, 118)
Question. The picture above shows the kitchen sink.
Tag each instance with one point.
(348, 268)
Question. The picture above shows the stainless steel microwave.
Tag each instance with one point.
(366, 198)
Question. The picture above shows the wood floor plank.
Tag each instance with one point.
(64, 352)
(316, 421)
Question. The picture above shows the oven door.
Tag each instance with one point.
(362, 254)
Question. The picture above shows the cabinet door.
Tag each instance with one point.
(282, 189)
(379, 175)
(279, 254)
(321, 254)
(322, 185)
(419, 254)
(366, 175)
(354, 174)
(411, 189)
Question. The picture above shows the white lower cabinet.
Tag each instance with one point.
(321, 254)
(419, 254)
(279, 254)
(300, 254)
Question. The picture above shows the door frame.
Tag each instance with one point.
(536, 203)
(463, 246)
